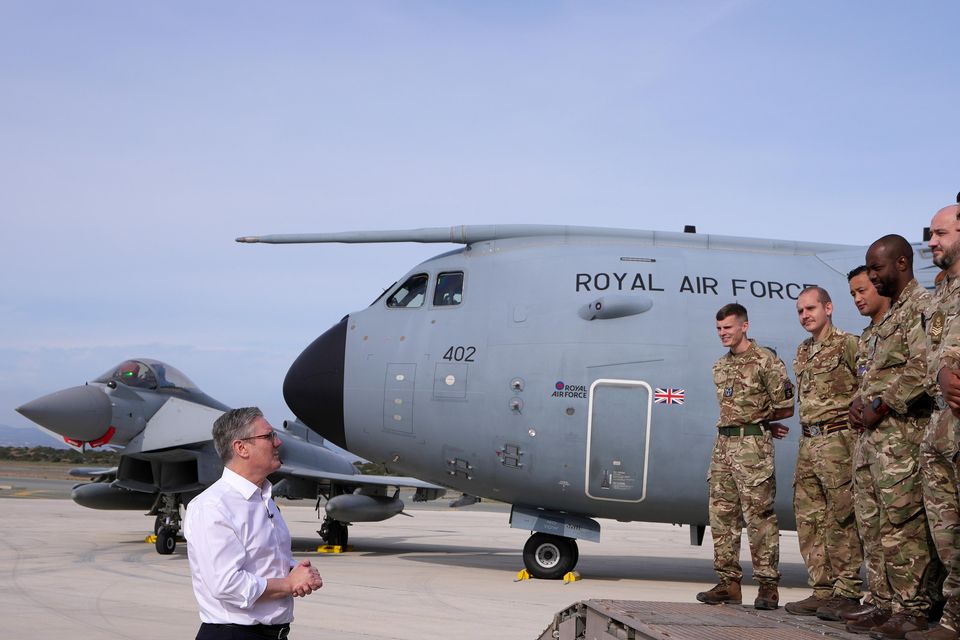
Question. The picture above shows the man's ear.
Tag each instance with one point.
(240, 449)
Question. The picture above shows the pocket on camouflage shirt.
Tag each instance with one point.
(890, 357)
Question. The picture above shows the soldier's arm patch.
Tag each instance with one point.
(788, 390)
(936, 327)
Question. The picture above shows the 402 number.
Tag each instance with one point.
(460, 354)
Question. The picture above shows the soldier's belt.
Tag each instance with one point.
(824, 428)
(745, 430)
(922, 407)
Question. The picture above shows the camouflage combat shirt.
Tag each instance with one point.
(751, 386)
(896, 352)
(941, 324)
(826, 377)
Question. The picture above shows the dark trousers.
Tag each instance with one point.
(227, 632)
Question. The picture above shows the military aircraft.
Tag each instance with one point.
(161, 421)
(563, 370)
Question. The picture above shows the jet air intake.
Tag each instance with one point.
(313, 388)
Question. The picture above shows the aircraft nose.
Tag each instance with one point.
(79, 413)
(313, 388)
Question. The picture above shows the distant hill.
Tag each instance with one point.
(27, 437)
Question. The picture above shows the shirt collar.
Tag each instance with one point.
(948, 284)
(908, 293)
(752, 346)
(832, 332)
(246, 488)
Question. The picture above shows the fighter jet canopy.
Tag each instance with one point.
(148, 374)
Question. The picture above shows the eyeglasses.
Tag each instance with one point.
(265, 436)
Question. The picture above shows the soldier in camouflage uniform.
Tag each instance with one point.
(752, 389)
(826, 370)
(871, 304)
(938, 450)
(893, 405)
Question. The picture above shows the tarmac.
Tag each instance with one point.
(68, 571)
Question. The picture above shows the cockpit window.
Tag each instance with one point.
(411, 293)
(383, 293)
(449, 289)
(148, 374)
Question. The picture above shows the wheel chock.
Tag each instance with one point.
(571, 576)
(523, 575)
(334, 548)
(150, 539)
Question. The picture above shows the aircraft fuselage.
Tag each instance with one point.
(573, 375)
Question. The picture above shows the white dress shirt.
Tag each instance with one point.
(234, 545)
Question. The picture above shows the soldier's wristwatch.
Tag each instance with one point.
(880, 407)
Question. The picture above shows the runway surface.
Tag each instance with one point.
(67, 571)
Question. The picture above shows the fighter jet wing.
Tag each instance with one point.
(358, 478)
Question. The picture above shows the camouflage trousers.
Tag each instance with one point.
(938, 453)
(826, 525)
(890, 486)
(867, 510)
(742, 491)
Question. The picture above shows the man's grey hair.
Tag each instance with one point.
(233, 425)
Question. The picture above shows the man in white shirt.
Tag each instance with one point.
(244, 576)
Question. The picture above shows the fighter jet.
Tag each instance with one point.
(563, 370)
(161, 421)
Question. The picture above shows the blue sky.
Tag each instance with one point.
(138, 139)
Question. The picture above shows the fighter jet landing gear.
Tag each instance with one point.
(550, 557)
(166, 541)
(333, 532)
(167, 524)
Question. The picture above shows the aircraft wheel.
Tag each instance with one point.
(343, 535)
(334, 532)
(157, 525)
(166, 541)
(550, 557)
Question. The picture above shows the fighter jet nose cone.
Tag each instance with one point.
(78, 413)
(313, 387)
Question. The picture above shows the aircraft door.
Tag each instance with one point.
(618, 440)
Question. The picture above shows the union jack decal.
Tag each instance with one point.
(668, 396)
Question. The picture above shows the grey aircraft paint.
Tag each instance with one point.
(570, 374)
(161, 422)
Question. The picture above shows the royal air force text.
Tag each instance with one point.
(703, 285)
